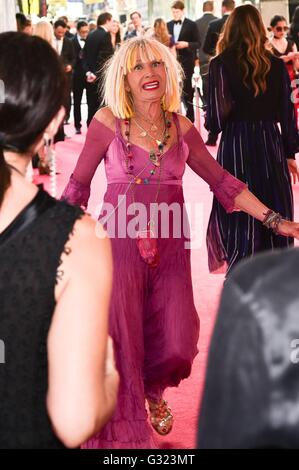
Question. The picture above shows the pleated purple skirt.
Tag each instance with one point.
(153, 320)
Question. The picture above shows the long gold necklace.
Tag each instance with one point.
(145, 132)
(153, 127)
(155, 156)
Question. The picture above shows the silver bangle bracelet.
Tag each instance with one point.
(272, 220)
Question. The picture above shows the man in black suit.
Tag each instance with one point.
(136, 20)
(202, 26)
(216, 26)
(79, 76)
(214, 29)
(65, 50)
(98, 49)
(185, 35)
(68, 33)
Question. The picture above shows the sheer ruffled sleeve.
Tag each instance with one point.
(97, 141)
(287, 116)
(224, 186)
(220, 101)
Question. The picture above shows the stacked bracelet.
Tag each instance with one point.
(272, 220)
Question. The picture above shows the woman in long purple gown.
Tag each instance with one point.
(145, 146)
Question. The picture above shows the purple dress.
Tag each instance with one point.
(153, 320)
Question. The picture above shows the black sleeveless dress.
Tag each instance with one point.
(30, 252)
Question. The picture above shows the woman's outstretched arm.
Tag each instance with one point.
(232, 193)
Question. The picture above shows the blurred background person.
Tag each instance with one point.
(294, 28)
(58, 383)
(137, 27)
(286, 49)
(216, 26)
(98, 49)
(130, 29)
(116, 34)
(209, 47)
(161, 34)
(65, 50)
(185, 38)
(44, 30)
(251, 391)
(24, 24)
(68, 33)
(249, 92)
(204, 59)
(92, 25)
(79, 73)
(283, 47)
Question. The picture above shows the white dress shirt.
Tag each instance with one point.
(177, 30)
(81, 41)
(58, 45)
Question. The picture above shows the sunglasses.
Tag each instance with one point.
(279, 29)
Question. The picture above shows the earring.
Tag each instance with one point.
(51, 160)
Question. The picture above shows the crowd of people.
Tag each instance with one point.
(104, 313)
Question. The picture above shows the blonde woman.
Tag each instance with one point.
(146, 145)
(249, 91)
(44, 30)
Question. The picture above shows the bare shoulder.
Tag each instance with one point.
(88, 259)
(89, 235)
(106, 117)
(89, 247)
(185, 123)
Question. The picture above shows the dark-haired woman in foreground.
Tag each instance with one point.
(56, 379)
(249, 93)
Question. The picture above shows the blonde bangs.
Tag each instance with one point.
(123, 62)
(140, 53)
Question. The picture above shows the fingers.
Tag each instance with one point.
(296, 176)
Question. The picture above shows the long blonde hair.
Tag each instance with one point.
(161, 32)
(245, 34)
(123, 61)
(44, 30)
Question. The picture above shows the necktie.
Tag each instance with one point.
(178, 22)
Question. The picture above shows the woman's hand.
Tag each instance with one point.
(288, 229)
(293, 169)
(291, 55)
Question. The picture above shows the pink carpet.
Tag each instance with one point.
(185, 399)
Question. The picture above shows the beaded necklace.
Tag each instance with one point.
(146, 239)
(155, 156)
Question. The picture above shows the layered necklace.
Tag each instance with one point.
(146, 239)
(155, 154)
